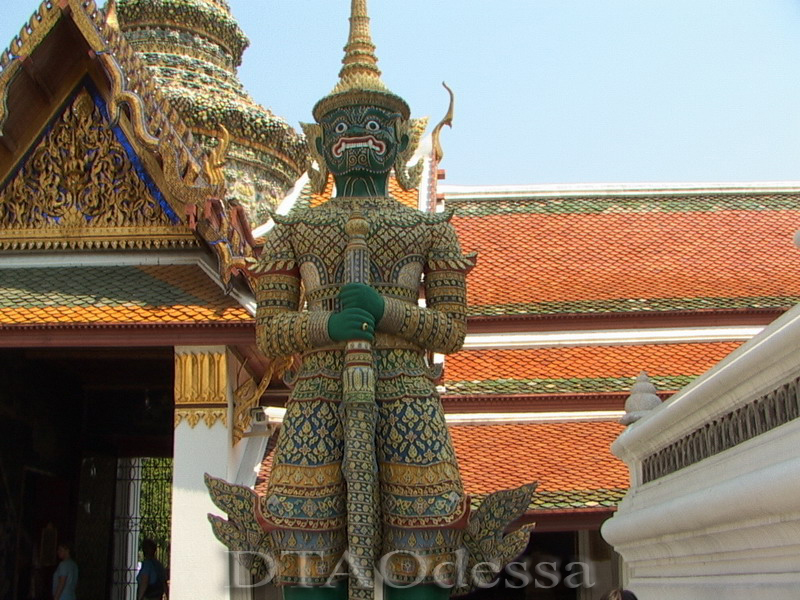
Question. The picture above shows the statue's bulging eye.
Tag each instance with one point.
(373, 125)
(341, 127)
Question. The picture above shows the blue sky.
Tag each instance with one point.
(554, 91)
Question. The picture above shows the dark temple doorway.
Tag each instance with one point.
(74, 424)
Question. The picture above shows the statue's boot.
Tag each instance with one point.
(417, 592)
(334, 592)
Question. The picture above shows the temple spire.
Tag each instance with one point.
(192, 49)
(360, 62)
(360, 78)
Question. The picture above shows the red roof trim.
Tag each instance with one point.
(115, 335)
(572, 519)
(70, 326)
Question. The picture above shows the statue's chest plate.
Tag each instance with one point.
(398, 244)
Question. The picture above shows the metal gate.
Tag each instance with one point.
(142, 510)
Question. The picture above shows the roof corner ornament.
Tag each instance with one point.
(317, 171)
(642, 401)
(412, 129)
(438, 152)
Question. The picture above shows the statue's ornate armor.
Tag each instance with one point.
(364, 463)
(422, 502)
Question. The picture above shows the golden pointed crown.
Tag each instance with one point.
(360, 79)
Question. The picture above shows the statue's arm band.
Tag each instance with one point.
(441, 325)
(281, 328)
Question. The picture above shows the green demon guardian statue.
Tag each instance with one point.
(365, 480)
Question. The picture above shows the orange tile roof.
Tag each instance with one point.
(408, 198)
(572, 462)
(579, 369)
(163, 294)
(588, 255)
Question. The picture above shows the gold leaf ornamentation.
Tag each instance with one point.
(409, 177)
(78, 188)
(247, 395)
(317, 173)
(215, 159)
(201, 388)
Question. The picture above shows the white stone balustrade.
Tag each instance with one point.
(714, 505)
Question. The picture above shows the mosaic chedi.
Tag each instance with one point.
(193, 48)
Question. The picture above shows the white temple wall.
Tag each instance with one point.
(713, 508)
(203, 397)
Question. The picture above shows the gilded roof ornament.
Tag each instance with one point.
(214, 161)
(111, 15)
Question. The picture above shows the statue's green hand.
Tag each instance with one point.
(359, 295)
(351, 324)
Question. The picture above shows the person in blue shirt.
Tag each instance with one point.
(152, 578)
(65, 579)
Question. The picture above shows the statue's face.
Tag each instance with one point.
(360, 140)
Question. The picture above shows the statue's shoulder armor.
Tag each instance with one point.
(301, 214)
(416, 216)
(439, 217)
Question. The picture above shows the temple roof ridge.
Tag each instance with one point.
(646, 188)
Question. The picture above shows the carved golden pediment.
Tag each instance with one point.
(79, 188)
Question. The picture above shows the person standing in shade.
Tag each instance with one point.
(152, 578)
(65, 579)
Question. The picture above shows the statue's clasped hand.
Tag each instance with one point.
(362, 308)
(359, 295)
(351, 324)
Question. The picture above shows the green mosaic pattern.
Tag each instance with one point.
(571, 499)
(192, 49)
(89, 286)
(211, 19)
(561, 386)
(626, 305)
(577, 499)
(474, 207)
